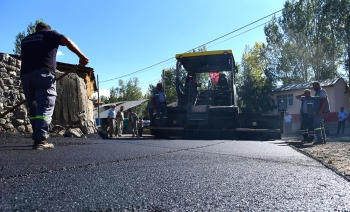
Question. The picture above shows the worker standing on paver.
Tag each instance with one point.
(307, 116)
(159, 104)
(38, 78)
(321, 107)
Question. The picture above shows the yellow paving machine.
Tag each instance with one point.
(212, 113)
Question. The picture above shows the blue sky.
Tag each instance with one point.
(124, 36)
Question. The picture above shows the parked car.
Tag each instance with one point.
(146, 123)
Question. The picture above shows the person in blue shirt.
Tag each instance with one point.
(342, 115)
(159, 105)
(111, 120)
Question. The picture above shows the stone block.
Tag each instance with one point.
(29, 128)
(12, 69)
(4, 76)
(74, 132)
(8, 126)
(21, 129)
(21, 97)
(4, 57)
(8, 81)
(87, 127)
(2, 121)
(21, 113)
(17, 122)
(12, 74)
(12, 61)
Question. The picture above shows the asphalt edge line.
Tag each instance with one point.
(327, 165)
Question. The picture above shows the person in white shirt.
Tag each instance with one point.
(288, 123)
(342, 115)
(111, 119)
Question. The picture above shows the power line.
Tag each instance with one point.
(132, 73)
(242, 33)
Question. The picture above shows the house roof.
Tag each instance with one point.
(127, 105)
(305, 85)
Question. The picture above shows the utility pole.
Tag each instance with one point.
(163, 80)
(98, 102)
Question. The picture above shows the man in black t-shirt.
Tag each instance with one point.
(38, 78)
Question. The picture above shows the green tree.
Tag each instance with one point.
(255, 81)
(129, 91)
(21, 35)
(302, 44)
(104, 99)
(338, 14)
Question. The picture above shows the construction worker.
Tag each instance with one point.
(38, 78)
(159, 105)
(120, 122)
(133, 120)
(150, 113)
(192, 88)
(321, 107)
(307, 116)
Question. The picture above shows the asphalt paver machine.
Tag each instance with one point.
(212, 113)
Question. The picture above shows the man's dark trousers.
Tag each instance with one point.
(341, 124)
(39, 88)
(307, 128)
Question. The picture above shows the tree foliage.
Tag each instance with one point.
(21, 35)
(255, 81)
(126, 91)
(305, 41)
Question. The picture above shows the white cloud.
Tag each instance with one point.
(103, 92)
(59, 53)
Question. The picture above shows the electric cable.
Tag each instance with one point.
(132, 73)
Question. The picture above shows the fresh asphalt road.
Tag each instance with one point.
(166, 175)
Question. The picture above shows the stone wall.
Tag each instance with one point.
(73, 114)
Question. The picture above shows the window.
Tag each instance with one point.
(286, 98)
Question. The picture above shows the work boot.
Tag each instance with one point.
(41, 145)
(318, 142)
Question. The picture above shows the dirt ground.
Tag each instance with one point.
(335, 154)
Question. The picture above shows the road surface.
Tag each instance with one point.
(166, 175)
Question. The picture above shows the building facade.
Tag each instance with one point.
(338, 96)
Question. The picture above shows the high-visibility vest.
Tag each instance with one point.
(156, 97)
(309, 101)
(317, 102)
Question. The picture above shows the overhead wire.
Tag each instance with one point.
(132, 73)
